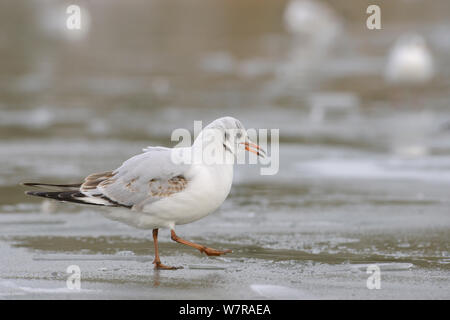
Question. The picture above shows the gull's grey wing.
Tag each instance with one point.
(147, 177)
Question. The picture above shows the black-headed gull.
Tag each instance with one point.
(165, 187)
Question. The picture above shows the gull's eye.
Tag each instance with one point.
(226, 136)
(238, 135)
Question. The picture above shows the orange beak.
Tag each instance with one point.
(254, 148)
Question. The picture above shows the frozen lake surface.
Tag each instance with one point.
(364, 173)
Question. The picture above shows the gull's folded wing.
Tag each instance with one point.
(148, 177)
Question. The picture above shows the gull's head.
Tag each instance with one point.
(227, 134)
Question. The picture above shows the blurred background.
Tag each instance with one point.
(364, 119)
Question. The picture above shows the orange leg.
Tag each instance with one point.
(208, 251)
(157, 262)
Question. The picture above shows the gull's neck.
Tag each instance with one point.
(209, 150)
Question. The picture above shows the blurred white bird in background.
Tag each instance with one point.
(314, 28)
(312, 20)
(409, 61)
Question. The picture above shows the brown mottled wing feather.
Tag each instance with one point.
(92, 181)
(158, 188)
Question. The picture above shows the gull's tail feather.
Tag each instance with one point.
(55, 187)
(75, 196)
(69, 196)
